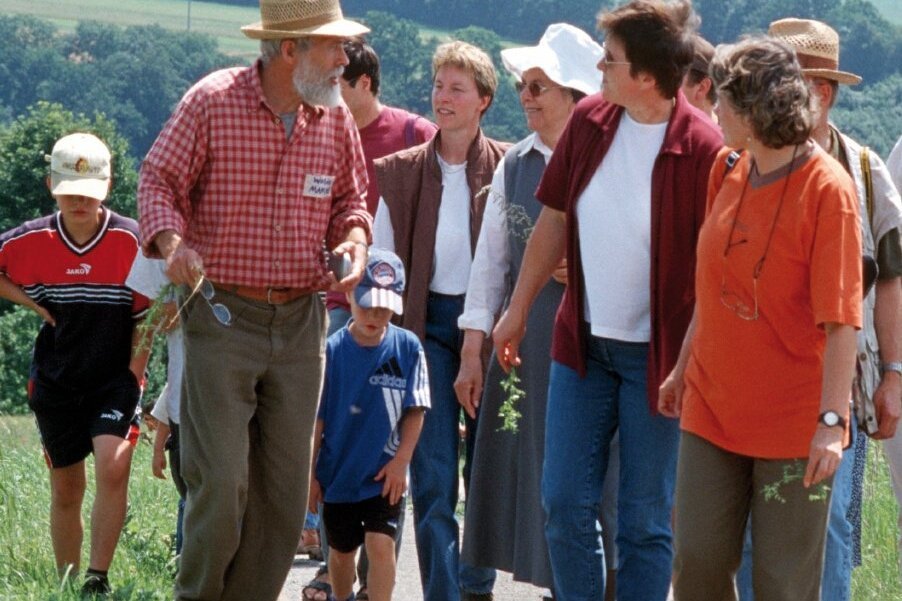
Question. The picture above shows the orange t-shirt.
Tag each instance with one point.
(754, 387)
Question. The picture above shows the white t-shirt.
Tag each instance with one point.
(451, 262)
(614, 220)
(148, 277)
(486, 289)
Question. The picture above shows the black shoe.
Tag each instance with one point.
(468, 596)
(95, 586)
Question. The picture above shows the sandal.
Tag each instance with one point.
(309, 542)
(362, 595)
(317, 590)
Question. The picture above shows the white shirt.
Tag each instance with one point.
(451, 260)
(614, 220)
(491, 263)
(148, 277)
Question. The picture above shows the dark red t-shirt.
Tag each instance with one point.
(393, 130)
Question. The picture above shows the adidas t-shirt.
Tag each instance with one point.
(365, 392)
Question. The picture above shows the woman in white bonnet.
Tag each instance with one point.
(504, 520)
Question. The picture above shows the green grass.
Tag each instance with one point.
(222, 21)
(878, 577)
(144, 564)
(891, 9)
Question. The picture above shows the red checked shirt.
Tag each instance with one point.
(256, 205)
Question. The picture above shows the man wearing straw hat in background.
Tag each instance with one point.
(878, 386)
(254, 170)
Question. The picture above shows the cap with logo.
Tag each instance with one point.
(382, 284)
(80, 166)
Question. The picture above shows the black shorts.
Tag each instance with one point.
(348, 523)
(69, 421)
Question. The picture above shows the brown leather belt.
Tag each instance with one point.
(266, 294)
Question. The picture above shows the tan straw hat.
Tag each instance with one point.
(817, 48)
(296, 18)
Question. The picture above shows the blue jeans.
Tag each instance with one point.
(836, 582)
(583, 414)
(434, 468)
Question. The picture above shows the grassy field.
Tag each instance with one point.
(221, 21)
(144, 564)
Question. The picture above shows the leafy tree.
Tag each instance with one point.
(19, 327)
(23, 167)
(873, 114)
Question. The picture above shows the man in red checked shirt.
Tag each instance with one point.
(254, 170)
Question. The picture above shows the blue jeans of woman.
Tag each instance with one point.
(434, 469)
(583, 414)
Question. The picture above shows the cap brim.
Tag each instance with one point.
(370, 298)
(849, 79)
(342, 29)
(79, 186)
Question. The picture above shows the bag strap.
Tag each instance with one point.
(731, 161)
(865, 158)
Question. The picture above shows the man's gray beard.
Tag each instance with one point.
(315, 87)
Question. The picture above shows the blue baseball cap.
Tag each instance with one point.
(382, 284)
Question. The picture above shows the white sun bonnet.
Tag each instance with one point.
(567, 55)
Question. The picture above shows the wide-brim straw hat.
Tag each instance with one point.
(817, 48)
(568, 56)
(296, 18)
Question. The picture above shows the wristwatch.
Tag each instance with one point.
(832, 419)
(895, 366)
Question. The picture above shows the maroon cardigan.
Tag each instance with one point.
(678, 190)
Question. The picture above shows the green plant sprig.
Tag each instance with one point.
(154, 321)
(508, 410)
(793, 472)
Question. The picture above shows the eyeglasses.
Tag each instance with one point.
(608, 59)
(220, 311)
(535, 88)
(728, 298)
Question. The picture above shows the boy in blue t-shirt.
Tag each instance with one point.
(375, 394)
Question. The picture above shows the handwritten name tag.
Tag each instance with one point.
(318, 186)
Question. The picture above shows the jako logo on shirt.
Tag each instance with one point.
(389, 375)
(82, 269)
(112, 415)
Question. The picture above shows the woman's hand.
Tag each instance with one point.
(824, 455)
(670, 394)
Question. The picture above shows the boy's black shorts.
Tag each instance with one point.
(69, 421)
(348, 523)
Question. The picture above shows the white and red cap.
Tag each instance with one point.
(80, 166)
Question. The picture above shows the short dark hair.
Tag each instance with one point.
(362, 60)
(657, 37)
(700, 66)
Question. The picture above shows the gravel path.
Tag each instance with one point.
(408, 584)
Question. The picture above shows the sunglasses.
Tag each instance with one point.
(220, 311)
(535, 88)
(608, 59)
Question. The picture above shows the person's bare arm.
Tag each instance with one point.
(12, 292)
(394, 473)
(543, 254)
(888, 323)
(839, 369)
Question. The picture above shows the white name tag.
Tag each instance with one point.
(318, 186)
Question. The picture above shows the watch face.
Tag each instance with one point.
(830, 418)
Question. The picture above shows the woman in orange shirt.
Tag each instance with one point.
(764, 377)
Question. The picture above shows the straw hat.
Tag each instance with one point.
(567, 55)
(296, 18)
(817, 48)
